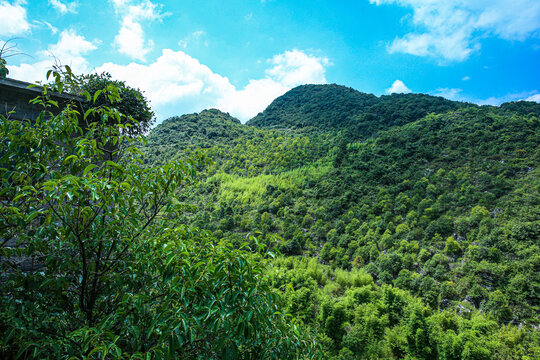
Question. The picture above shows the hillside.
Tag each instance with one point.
(414, 223)
(335, 107)
(208, 128)
(318, 106)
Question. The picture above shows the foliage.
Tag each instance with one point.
(522, 107)
(333, 108)
(367, 321)
(96, 264)
(138, 115)
(3, 69)
(434, 199)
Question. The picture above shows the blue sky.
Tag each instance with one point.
(240, 55)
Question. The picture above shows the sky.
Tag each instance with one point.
(239, 55)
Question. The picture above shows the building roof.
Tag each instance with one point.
(33, 89)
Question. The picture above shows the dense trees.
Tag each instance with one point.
(359, 319)
(128, 101)
(440, 208)
(408, 227)
(96, 264)
(312, 108)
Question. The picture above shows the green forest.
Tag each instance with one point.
(333, 225)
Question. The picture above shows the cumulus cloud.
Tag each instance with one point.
(13, 19)
(398, 87)
(287, 70)
(176, 83)
(535, 98)
(451, 30)
(69, 50)
(71, 45)
(64, 8)
(130, 39)
(296, 67)
(172, 77)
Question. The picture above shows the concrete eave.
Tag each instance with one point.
(35, 90)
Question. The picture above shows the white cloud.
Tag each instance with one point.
(64, 8)
(172, 77)
(130, 39)
(295, 67)
(398, 87)
(535, 98)
(194, 36)
(449, 93)
(177, 84)
(290, 69)
(69, 50)
(13, 19)
(53, 29)
(71, 45)
(451, 30)
(466, 78)
(252, 99)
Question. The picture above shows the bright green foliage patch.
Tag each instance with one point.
(358, 319)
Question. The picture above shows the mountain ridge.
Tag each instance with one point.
(332, 107)
(387, 220)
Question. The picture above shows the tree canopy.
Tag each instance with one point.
(96, 262)
(421, 228)
(128, 101)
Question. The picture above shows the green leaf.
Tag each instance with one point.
(89, 168)
(96, 94)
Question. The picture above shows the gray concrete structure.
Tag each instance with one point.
(15, 95)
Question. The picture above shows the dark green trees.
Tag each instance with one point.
(96, 264)
(138, 116)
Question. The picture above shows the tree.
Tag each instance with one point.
(139, 117)
(3, 69)
(95, 264)
(418, 335)
(7, 50)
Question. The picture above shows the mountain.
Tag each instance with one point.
(208, 128)
(205, 128)
(318, 106)
(522, 107)
(408, 225)
(335, 107)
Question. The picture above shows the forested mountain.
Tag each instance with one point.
(522, 107)
(334, 107)
(408, 224)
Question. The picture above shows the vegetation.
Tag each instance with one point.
(405, 227)
(335, 107)
(421, 221)
(97, 264)
(138, 116)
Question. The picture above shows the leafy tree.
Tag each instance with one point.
(138, 116)
(3, 69)
(96, 265)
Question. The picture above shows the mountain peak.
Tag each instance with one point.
(334, 107)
